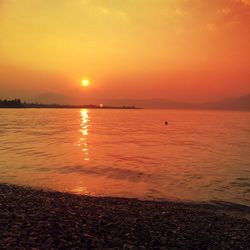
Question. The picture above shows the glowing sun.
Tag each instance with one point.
(85, 82)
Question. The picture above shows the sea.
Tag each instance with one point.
(199, 156)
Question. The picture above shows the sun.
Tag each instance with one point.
(85, 82)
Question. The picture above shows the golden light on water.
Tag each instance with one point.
(85, 82)
(82, 143)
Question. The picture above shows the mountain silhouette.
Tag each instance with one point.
(234, 103)
(52, 98)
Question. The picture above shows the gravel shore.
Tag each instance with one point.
(37, 219)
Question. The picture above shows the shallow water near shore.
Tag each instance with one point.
(199, 156)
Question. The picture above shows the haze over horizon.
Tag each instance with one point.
(183, 50)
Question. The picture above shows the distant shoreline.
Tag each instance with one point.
(128, 108)
(74, 107)
(16, 103)
(234, 104)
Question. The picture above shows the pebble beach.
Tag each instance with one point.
(40, 219)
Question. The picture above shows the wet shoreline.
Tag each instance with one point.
(33, 218)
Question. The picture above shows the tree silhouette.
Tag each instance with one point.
(16, 103)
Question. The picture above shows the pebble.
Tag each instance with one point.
(36, 219)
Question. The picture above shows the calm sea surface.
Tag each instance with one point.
(199, 156)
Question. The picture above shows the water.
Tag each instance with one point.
(199, 156)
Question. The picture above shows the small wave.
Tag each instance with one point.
(231, 206)
(110, 172)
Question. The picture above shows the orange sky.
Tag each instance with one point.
(191, 50)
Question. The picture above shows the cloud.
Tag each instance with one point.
(103, 10)
(211, 26)
(225, 11)
(122, 15)
(114, 13)
(180, 12)
(245, 2)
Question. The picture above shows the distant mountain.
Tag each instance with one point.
(149, 103)
(51, 98)
(236, 103)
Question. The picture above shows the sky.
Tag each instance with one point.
(184, 50)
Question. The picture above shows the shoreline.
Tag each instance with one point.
(35, 218)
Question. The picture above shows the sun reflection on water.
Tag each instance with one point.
(79, 190)
(83, 143)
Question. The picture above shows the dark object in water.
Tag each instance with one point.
(166, 123)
